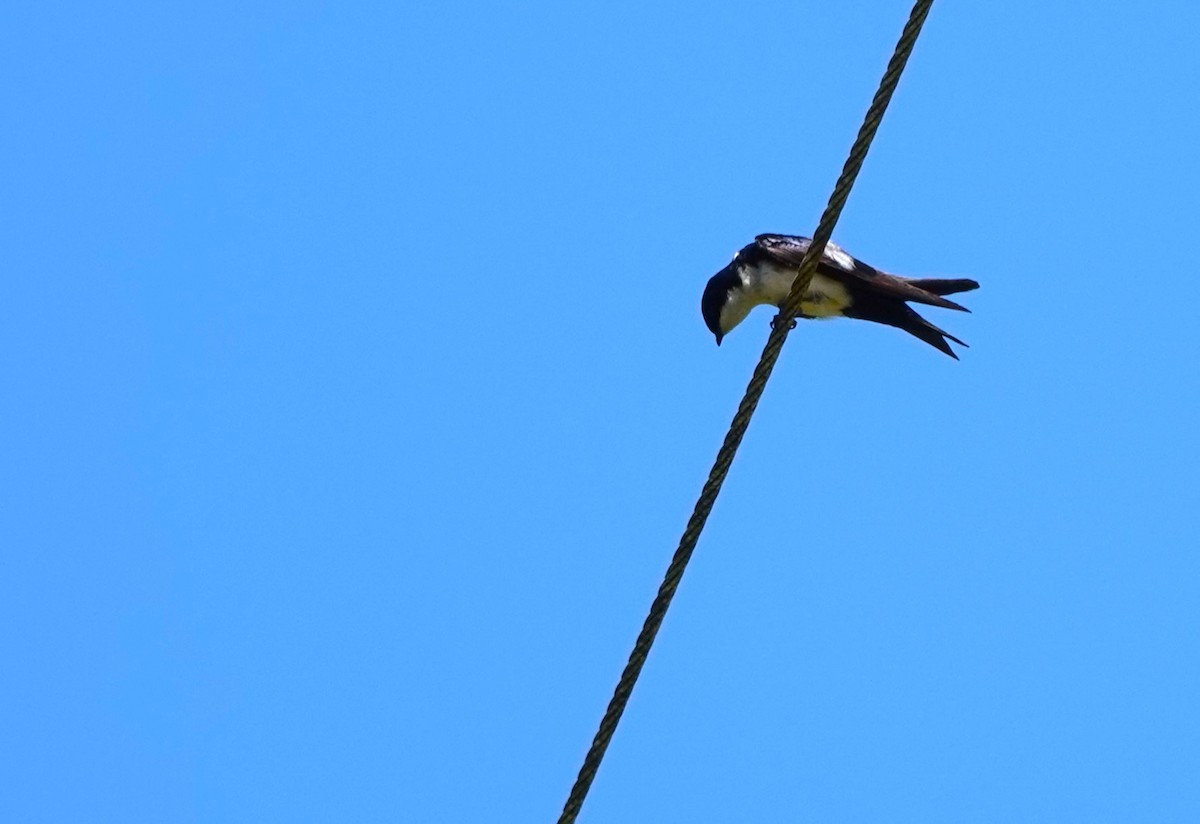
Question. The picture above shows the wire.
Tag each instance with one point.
(781, 326)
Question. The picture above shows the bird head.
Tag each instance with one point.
(720, 304)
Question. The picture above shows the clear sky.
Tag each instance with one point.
(357, 394)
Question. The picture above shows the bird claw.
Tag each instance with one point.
(775, 322)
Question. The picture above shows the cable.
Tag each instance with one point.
(780, 328)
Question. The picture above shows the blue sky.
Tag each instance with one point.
(358, 393)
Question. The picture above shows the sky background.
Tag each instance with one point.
(357, 394)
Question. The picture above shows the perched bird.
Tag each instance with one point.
(842, 286)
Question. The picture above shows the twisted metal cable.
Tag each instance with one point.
(741, 420)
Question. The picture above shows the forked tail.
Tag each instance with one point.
(944, 286)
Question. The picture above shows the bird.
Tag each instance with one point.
(842, 286)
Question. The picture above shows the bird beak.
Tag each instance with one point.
(719, 339)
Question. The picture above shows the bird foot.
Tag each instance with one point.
(775, 321)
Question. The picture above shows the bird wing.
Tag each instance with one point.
(840, 265)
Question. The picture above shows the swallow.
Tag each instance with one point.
(842, 286)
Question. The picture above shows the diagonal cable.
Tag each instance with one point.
(741, 420)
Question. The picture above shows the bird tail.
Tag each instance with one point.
(944, 286)
(919, 327)
(902, 316)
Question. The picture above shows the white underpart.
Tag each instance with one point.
(768, 284)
